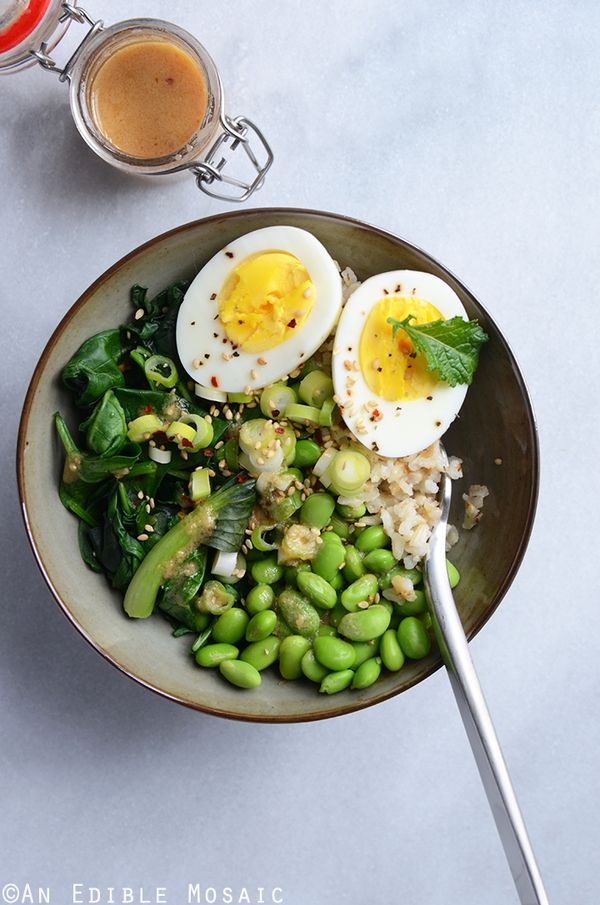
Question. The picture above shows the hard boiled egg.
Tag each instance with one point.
(258, 309)
(388, 399)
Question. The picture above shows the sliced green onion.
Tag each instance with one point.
(161, 370)
(162, 456)
(326, 414)
(204, 430)
(259, 541)
(239, 398)
(323, 462)
(256, 435)
(275, 399)
(225, 565)
(287, 438)
(304, 414)
(143, 427)
(315, 388)
(140, 356)
(348, 471)
(210, 393)
(179, 430)
(199, 485)
(231, 454)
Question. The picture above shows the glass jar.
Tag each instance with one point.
(210, 152)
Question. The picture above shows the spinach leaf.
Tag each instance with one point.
(86, 548)
(80, 466)
(156, 328)
(115, 549)
(106, 429)
(180, 590)
(93, 369)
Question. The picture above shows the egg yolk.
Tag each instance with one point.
(265, 299)
(388, 363)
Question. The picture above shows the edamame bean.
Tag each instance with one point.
(453, 574)
(267, 570)
(261, 626)
(259, 598)
(337, 582)
(339, 526)
(261, 654)
(307, 453)
(336, 614)
(296, 473)
(415, 607)
(327, 630)
(336, 681)
(367, 673)
(318, 591)
(372, 538)
(311, 667)
(231, 626)
(351, 512)
(291, 652)
(386, 580)
(413, 638)
(364, 625)
(364, 588)
(212, 654)
(330, 537)
(379, 561)
(298, 613)
(364, 650)
(241, 674)
(334, 653)
(390, 651)
(353, 566)
(282, 629)
(317, 509)
(291, 573)
(330, 556)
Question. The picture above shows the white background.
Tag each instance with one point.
(471, 129)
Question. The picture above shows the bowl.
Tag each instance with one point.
(496, 422)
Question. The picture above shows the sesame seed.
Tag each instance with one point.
(142, 537)
(261, 361)
(139, 313)
(196, 363)
(253, 374)
(140, 494)
(148, 528)
(498, 461)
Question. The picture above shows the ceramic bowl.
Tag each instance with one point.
(496, 422)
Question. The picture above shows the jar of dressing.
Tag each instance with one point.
(145, 95)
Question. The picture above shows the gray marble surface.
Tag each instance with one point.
(471, 129)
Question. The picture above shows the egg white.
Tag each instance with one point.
(201, 337)
(407, 426)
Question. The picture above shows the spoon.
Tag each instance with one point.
(475, 714)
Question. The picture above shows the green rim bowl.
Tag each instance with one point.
(496, 422)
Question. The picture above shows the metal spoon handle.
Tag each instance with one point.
(479, 727)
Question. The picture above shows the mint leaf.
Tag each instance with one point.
(451, 347)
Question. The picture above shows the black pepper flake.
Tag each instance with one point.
(398, 288)
(225, 341)
(216, 317)
(413, 355)
(213, 296)
(240, 322)
(438, 423)
(349, 348)
(236, 354)
(291, 323)
(379, 370)
(193, 324)
(229, 254)
(216, 335)
(374, 446)
(385, 292)
(207, 355)
(429, 398)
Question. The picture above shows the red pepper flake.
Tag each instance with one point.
(292, 323)
(147, 410)
(279, 430)
(161, 437)
(207, 452)
(376, 413)
(186, 442)
(214, 382)
(241, 478)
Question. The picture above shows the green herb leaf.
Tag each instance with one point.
(450, 347)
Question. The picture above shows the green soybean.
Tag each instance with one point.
(386, 580)
(390, 651)
(379, 561)
(413, 638)
(415, 607)
(261, 626)
(364, 650)
(295, 473)
(453, 574)
(337, 614)
(307, 454)
(311, 667)
(367, 673)
(261, 654)
(282, 629)
(372, 538)
(267, 570)
(241, 674)
(353, 564)
(317, 509)
(364, 625)
(336, 682)
(318, 591)
(351, 512)
(212, 654)
(259, 598)
(337, 582)
(291, 573)
(339, 526)
(231, 626)
(330, 556)
(298, 613)
(364, 588)
(334, 653)
(328, 630)
(330, 537)
(291, 652)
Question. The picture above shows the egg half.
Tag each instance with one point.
(388, 399)
(258, 309)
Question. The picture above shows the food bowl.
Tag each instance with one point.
(496, 423)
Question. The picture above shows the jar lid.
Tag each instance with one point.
(26, 25)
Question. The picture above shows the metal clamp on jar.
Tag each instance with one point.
(118, 74)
